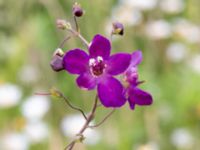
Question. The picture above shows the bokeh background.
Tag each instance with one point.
(167, 32)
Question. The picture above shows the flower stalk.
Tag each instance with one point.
(86, 125)
(76, 24)
(85, 42)
(59, 94)
(64, 41)
(103, 120)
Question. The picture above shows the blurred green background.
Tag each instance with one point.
(167, 32)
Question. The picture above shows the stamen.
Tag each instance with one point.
(99, 59)
(91, 62)
(97, 66)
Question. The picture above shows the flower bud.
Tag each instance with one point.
(55, 92)
(62, 24)
(57, 60)
(58, 52)
(77, 10)
(118, 28)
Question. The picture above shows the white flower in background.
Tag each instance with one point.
(28, 74)
(176, 52)
(35, 107)
(187, 30)
(159, 29)
(127, 15)
(194, 63)
(140, 4)
(10, 95)
(149, 146)
(182, 138)
(14, 141)
(36, 131)
(172, 6)
(72, 124)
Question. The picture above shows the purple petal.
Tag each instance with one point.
(100, 46)
(131, 75)
(76, 61)
(86, 81)
(110, 92)
(118, 63)
(139, 97)
(131, 103)
(136, 58)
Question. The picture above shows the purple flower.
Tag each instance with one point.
(97, 70)
(134, 94)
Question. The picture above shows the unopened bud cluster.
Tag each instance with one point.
(63, 24)
(57, 59)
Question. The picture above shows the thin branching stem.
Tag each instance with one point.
(70, 145)
(86, 43)
(85, 126)
(60, 95)
(103, 120)
(72, 106)
(64, 41)
(76, 24)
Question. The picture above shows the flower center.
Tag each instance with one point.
(97, 66)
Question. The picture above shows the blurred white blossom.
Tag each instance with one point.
(127, 15)
(182, 138)
(187, 30)
(10, 95)
(72, 124)
(35, 107)
(194, 63)
(14, 141)
(172, 6)
(36, 131)
(159, 29)
(176, 52)
(149, 146)
(141, 4)
(28, 74)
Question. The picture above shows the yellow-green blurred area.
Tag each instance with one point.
(167, 32)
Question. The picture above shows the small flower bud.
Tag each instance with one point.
(55, 92)
(58, 52)
(62, 24)
(56, 63)
(118, 28)
(57, 60)
(77, 10)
